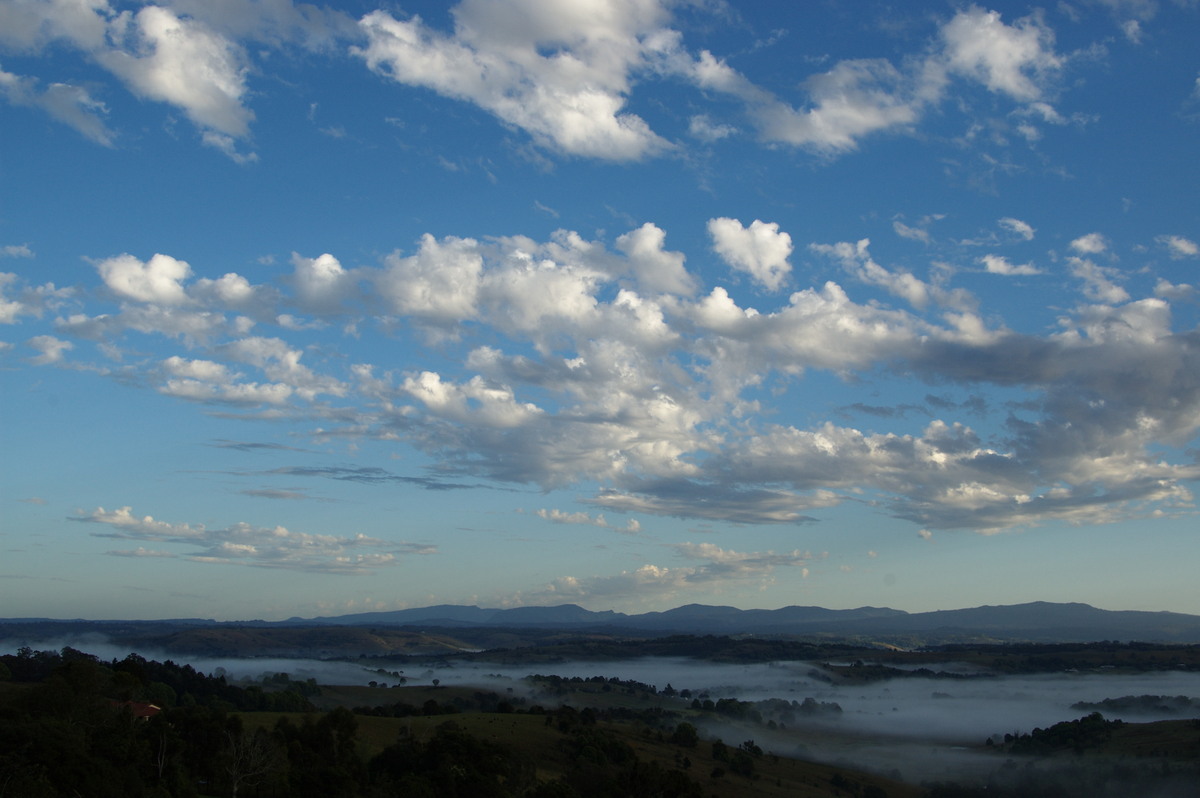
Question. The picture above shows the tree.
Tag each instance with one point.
(685, 734)
(248, 758)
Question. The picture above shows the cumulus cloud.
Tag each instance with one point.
(179, 60)
(657, 269)
(562, 73)
(1179, 247)
(157, 281)
(1011, 59)
(760, 250)
(51, 349)
(998, 264)
(631, 527)
(1090, 244)
(260, 547)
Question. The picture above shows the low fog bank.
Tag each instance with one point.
(918, 728)
(962, 711)
(956, 711)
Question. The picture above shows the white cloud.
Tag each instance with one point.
(913, 233)
(439, 285)
(29, 26)
(853, 100)
(1098, 281)
(657, 269)
(321, 284)
(857, 98)
(857, 261)
(997, 264)
(18, 299)
(71, 105)
(702, 128)
(631, 527)
(718, 569)
(1090, 244)
(555, 371)
(760, 250)
(1179, 247)
(206, 370)
(182, 61)
(16, 251)
(560, 72)
(51, 349)
(157, 281)
(1021, 229)
(475, 402)
(1010, 59)
(261, 547)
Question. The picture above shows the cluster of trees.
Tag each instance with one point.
(1143, 704)
(558, 685)
(1091, 731)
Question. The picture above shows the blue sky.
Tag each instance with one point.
(309, 310)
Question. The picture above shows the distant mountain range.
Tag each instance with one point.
(1040, 622)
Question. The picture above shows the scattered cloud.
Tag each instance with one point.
(998, 264)
(51, 349)
(1090, 244)
(716, 569)
(1179, 247)
(631, 527)
(1023, 230)
(760, 250)
(259, 547)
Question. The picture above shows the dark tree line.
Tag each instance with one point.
(75, 725)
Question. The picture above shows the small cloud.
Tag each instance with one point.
(259, 547)
(925, 534)
(1179, 247)
(760, 250)
(51, 349)
(913, 233)
(559, 517)
(16, 251)
(1016, 226)
(140, 552)
(1090, 244)
(995, 264)
(267, 493)
(702, 128)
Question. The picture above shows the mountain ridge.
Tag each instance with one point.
(1037, 621)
